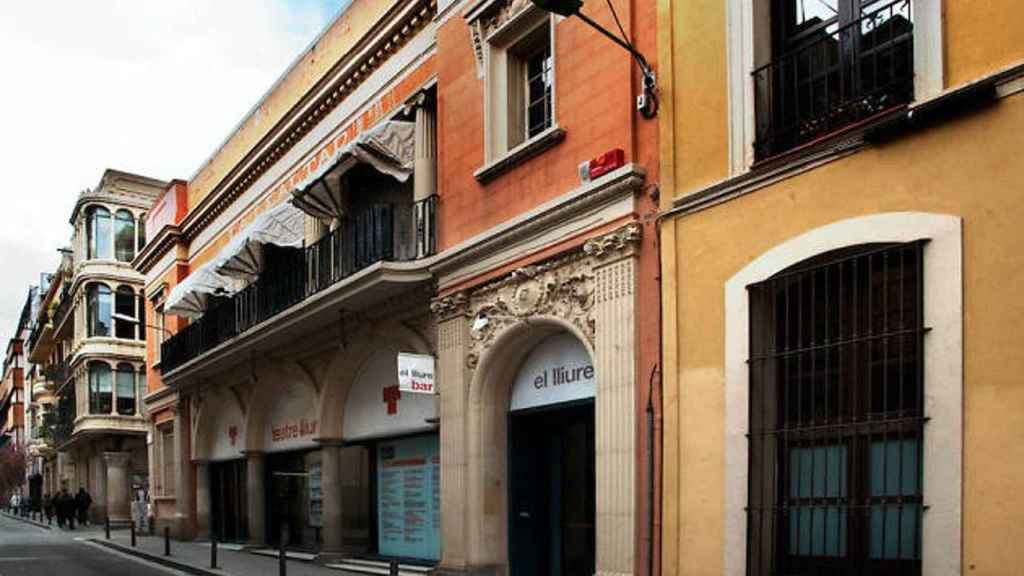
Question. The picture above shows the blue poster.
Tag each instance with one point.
(409, 498)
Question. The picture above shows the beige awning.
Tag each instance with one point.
(283, 225)
(191, 297)
(389, 147)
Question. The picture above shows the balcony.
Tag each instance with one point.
(838, 77)
(370, 240)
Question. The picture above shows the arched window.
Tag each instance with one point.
(125, 389)
(99, 309)
(140, 229)
(142, 387)
(100, 388)
(98, 232)
(125, 319)
(124, 236)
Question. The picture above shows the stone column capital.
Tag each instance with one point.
(119, 459)
(450, 307)
(616, 244)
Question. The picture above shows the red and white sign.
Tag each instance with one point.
(377, 407)
(416, 373)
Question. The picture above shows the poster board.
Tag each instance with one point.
(409, 497)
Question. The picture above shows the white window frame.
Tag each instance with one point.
(748, 40)
(497, 114)
(943, 366)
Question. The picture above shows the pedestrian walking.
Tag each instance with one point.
(48, 507)
(66, 510)
(82, 503)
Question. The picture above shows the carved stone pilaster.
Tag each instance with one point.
(454, 305)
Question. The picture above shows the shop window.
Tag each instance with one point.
(99, 308)
(100, 388)
(98, 232)
(125, 389)
(837, 415)
(124, 236)
(124, 319)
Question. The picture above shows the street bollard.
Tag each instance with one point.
(393, 568)
(213, 552)
(167, 540)
(282, 555)
(106, 527)
(133, 533)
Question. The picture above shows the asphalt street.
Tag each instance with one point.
(31, 551)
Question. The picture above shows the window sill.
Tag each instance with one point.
(520, 154)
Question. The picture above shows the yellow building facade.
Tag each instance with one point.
(840, 264)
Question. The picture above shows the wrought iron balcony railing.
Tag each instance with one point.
(841, 76)
(381, 233)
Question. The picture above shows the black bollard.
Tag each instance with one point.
(393, 568)
(282, 556)
(133, 533)
(213, 552)
(106, 527)
(167, 540)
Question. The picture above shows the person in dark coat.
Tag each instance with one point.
(66, 508)
(82, 503)
(48, 508)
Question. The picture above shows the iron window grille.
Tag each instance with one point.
(835, 63)
(837, 415)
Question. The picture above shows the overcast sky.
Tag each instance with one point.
(146, 86)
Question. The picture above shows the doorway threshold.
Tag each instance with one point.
(365, 566)
(274, 552)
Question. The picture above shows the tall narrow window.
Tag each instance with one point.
(837, 415)
(530, 83)
(125, 389)
(98, 233)
(140, 228)
(99, 310)
(125, 320)
(124, 236)
(100, 388)
(143, 329)
(142, 389)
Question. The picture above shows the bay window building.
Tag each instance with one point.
(90, 344)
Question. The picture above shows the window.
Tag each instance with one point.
(99, 310)
(100, 388)
(837, 414)
(520, 76)
(531, 76)
(140, 228)
(124, 236)
(833, 63)
(98, 232)
(124, 319)
(125, 389)
(142, 389)
(142, 317)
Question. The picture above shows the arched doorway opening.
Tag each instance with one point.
(552, 460)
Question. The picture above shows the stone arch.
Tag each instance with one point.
(344, 367)
(218, 411)
(268, 382)
(487, 432)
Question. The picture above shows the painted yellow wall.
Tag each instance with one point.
(970, 168)
(342, 35)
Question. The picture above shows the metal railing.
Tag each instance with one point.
(840, 76)
(381, 233)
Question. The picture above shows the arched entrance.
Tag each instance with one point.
(551, 502)
(220, 442)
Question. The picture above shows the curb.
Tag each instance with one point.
(27, 521)
(162, 560)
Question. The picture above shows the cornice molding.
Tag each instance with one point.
(401, 25)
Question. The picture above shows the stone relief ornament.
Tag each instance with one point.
(562, 288)
(485, 20)
(609, 244)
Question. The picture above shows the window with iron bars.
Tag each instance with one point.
(837, 415)
(834, 63)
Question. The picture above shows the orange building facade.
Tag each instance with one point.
(460, 191)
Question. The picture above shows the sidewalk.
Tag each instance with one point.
(194, 557)
(25, 520)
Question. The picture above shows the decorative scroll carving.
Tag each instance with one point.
(624, 238)
(454, 305)
(562, 288)
(487, 18)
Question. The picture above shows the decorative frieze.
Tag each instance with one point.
(617, 242)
